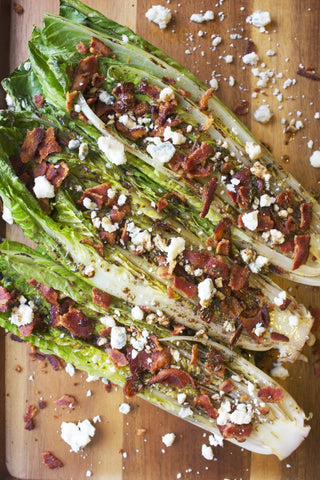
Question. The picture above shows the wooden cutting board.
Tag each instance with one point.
(118, 451)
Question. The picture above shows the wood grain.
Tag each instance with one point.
(293, 34)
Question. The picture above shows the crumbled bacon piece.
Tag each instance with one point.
(265, 222)
(51, 461)
(84, 72)
(162, 204)
(101, 298)
(97, 47)
(56, 173)
(172, 376)
(204, 402)
(125, 99)
(48, 145)
(150, 90)
(81, 47)
(49, 293)
(117, 358)
(222, 230)
(66, 401)
(188, 289)
(96, 246)
(223, 247)
(243, 198)
(239, 432)
(38, 100)
(242, 108)
(97, 194)
(184, 92)
(108, 237)
(301, 250)
(132, 386)
(279, 337)
(70, 96)
(54, 362)
(131, 133)
(208, 193)
(28, 417)
(226, 386)
(31, 144)
(287, 246)
(177, 329)
(204, 99)
(77, 323)
(5, 297)
(309, 72)
(306, 215)
(285, 199)
(249, 323)
(198, 157)
(271, 394)
(26, 330)
(194, 354)
(239, 277)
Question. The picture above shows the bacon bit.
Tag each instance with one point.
(98, 80)
(208, 193)
(265, 222)
(49, 293)
(168, 80)
(177, 329)
(77, 323)
(242, 108)
(101, 298)
(243, 197)
(271, 394)
(81, 47)
(239, 432)
(249, 323)
(279, 337)
(215, 363)
(117, 358)
(54, 362)
(141, 431)
(96, 246)
(223, 247)
(162, 204)
(306, 215)
(5, 297)
(97, 194)
(51, 461)
(188, 289)
(250, 47)
(301, 250)
(198, 157)
(38, 100)
(48, 145)
(150, 90)
(132, 386)
(37, 356)
(28, 417)
(66, 401)
(26, 330)
(125, 99)
(239, 277)
(222, 230)
(184, 92)
(70, 96)
(56, 173)
(287, 246)
(226, 386)
(309, 72)
(97, 47)
(133, 133)
(204, 402)
(141, 109)
(84, 72)
(172, 376)
(170, 291)
(194, 354)
(204, 99)
(284, 199)
(108, 237)
(208, 123)
(244, 175)
(31, 144)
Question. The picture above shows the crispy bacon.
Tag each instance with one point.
(184, 92)
(213, 266)
(226, 386)
(188, 289)
(249, 323)
(279, 337)
(287, 246)
(117, 358)
(265, 222)
(51, 461)
(81, 47)
(70, 96)
(5, 297)
(54, 362)
(84, 72)
(56, 173)
(131, 133)
(97, 47)
(48, 145)
(208, 193)
(239, 277)
(204, 402)
(194, 354)
(172, 376)
(125, 99)
(242, 108)
(28, 417)
(239, 432)
(198, 157)
(26, 330)
(301, 250)
(108, 237)
(101, 298)
(31, 144)
(309, 72)
(132, 386)
(222, 230)
(306, 215)
(38, 100)
(243, 197)
(49, 293)
(271, 394)
(97, 194)
(98, 80)
(96, 246)
(66, 401)
(285, 199)
(204, 99)
(150, 90)
(77, 323)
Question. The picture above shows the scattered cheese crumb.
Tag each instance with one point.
(315, 159)
(253, 150)
(124, 408)
(77, 436)
(43, 188)
(250, 58)
(206, 290)
(250, 220)
(262, 114)
(176, 246)
(168, 439)
(159, 15)
(118, 337)
(200, 18)
(259, 18)
(207, 452)
(278, 371)
(137, 313)
(70, 369)
(228, 58)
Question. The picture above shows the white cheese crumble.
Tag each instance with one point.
(22, 314)
(276, 237)
(168, 439)
(175, 248)
(83, 151)
(159, 15)
(216, 41)
(140, 342)
(137, 313)
(70, 369)
(118, 337)
(202, 17)
(185, 412)
(206, 290)
(113, 149)
(250, 220)
(108, 321)
(228, 58)
(214, 83)
(253, 150)
(181, 397)
(206, 451)
(250, 58)
(105, 97)
(7, 215)
(215, 439)
(262, 114)
(278, 371)
(122, 199)
(241, 415)
(43, 188)
(73, 144)
(259, 18)
(176, 137)
(266, 200)
(124, 408)
(166, 94)
(161, 151)
(259, 330)
(258, 264)
(314, 159)
(77, 436)
(280, 298)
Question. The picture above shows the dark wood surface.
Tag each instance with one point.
(294, 35)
